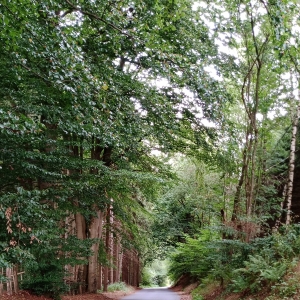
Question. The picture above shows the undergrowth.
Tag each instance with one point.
(118, 286)
(240, 267)
(207, 287)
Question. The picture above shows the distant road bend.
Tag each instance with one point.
(153, 294)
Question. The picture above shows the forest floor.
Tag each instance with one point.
(24, 295)
(184, 292)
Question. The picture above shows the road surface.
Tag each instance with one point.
(153, 294)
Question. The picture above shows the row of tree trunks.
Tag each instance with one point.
(119, 265)
(118, 260)
(11, 285)
(102, 226)
(131, 268)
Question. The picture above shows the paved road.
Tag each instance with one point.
(153, 294)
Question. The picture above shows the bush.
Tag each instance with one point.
(117, 286)
(190, 259)
(160, 280)
(146, 278)
(45, 267)
(45, 278)
(272, 257)
(225, 256)
(202, 257)
(262, 262)
(288, 288)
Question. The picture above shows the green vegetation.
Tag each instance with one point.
(264, 263)
(141, 134)
(155, 274)
(117, 286)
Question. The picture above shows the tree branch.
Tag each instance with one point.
(66, 13)
(257, 59)
(36, 74)
(84, 12)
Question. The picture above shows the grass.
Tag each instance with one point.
(118, 286)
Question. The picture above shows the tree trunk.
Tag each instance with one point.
(95, 232)
(100, 280)
(237, 197)
(107, 244)
(70, 228)
(112, 248)
(15, 277)
(1, 288)
(81, 269)
(9, 281)
(120, 264)
(117, 250)
(291, 170)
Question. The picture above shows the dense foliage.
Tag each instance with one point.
(229, 225)
(242, 267)
(128, 127)
(81, 111)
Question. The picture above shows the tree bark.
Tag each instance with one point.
(100, 275)
(120, 264)
(107, 244)
(112, 248)
(81, 269)
(95, 232)
(9, 281)
(15, 277)
(291, 170)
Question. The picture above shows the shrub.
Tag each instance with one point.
(160, 280)
(45, 269)
(263, 261)
(287, 288)
(272, 257)
(117, 286)
(146, 278)
(190, 258)
(225, 256)
(45, 278)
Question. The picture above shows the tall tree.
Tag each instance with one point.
(81, 111)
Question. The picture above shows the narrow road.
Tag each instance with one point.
(153, 294)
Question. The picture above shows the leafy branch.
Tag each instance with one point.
(92, 15)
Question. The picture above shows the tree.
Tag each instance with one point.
(188, 205)
(80, 113)
(252, 72)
